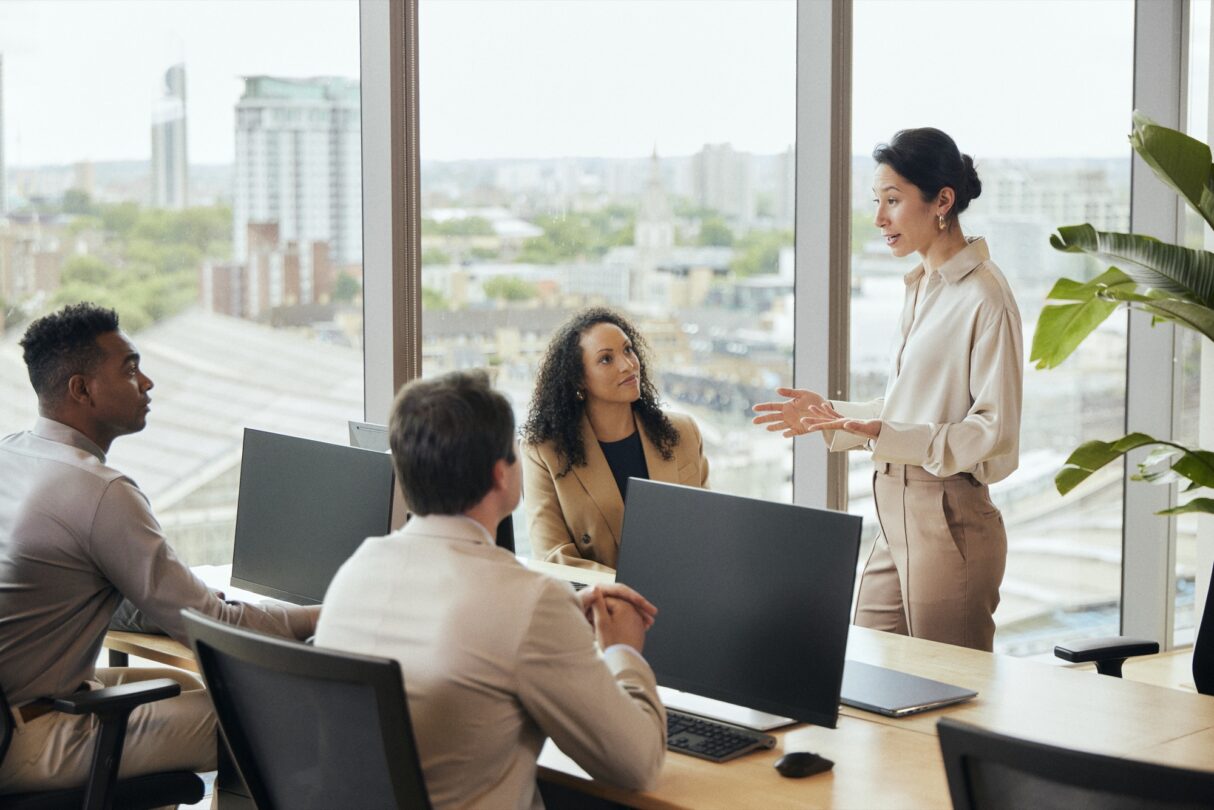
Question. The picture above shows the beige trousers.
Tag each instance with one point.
(56, 749)
(936, 566)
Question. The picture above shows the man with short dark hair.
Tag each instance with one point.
(495, 657)
(76, 537)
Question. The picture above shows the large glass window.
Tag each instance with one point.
(1197, 234)
(1044, 161)
(632, 154)
(195, 165)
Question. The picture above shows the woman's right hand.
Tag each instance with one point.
(786, 416)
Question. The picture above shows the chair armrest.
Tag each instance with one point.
(1109, 652)
(121, 698)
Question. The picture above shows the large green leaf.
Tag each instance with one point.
(1196, 505)
(1197, 466)
(1062, 327)
(1180, 161)
(1153, 264)
(1186, 313)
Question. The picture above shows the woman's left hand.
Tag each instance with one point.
(824, 417)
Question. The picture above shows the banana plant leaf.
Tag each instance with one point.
(1197, 466)
(1155, 265)
(1062, 327)
(1179, 161)
(1196, 505)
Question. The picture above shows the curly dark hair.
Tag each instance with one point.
(64, 343)
(556, 412)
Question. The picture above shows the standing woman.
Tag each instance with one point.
(594, 423)
(949, 423)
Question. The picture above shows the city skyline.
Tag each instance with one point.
(730, 80)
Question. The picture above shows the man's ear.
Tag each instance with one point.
(501, 469)
(78, 389)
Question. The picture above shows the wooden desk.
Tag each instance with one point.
(885, 762)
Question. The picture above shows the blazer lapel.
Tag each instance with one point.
(597, 480)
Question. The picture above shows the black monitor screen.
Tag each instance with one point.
(304, 507)
(753, 597)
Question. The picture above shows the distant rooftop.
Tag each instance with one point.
(315, 88)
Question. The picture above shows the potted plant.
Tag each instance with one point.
(1171, 283)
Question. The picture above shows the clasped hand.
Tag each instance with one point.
(618, 614)
(808, 412)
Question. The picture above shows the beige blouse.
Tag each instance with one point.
(956, 380)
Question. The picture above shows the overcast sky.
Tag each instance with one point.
(506, 78)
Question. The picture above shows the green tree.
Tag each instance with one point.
(714, 231)
(433, 255)
(759, 252)
(77, 201)
(346, 288)
(434, 301)
(466, 226)
(509, 288)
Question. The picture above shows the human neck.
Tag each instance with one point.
(611, 421)
(947, 245)
(488, 513)
(83, 426)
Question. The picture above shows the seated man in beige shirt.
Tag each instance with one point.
(495, 657)
(76, 537)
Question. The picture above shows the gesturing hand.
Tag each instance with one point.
(824, 417)
(787, 416)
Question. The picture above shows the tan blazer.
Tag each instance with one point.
(495, 659)
(576, 519)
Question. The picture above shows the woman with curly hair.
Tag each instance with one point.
(594, 423)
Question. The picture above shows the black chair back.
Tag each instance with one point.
(989, 771)
(1203, 648)
(310, 728)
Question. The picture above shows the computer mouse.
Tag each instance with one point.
(799, 764)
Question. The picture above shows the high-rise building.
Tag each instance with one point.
(724, 181)
(170, 161)
(298, 163)
(3, 168)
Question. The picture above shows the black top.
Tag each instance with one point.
(626, 458)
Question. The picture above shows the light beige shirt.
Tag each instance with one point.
(953, 400)
(495, 659)
(76, 536)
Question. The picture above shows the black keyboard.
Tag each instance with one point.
(710, 739)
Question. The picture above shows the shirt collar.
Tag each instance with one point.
(456, 527)
(63, 434)
(959, 266)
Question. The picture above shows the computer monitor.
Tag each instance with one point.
(304, 506)
(753, 597)
(375, 437)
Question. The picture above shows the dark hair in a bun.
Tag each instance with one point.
(931, 160)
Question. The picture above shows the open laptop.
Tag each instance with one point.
(896, 694)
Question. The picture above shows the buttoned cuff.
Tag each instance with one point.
(900, 443)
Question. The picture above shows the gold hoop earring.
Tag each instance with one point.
(940, 223)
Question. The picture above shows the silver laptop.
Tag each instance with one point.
(896, 694)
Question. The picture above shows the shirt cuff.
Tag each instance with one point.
(900, 443)
(626, 648)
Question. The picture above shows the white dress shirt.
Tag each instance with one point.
(954, 396)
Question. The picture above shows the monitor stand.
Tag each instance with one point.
(720, 710)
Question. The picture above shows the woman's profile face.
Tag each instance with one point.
(611, 371)
(907, 223)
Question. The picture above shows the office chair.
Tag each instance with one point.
(103, 790)
(309, 728)
(1110, 653)
(989, 771)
